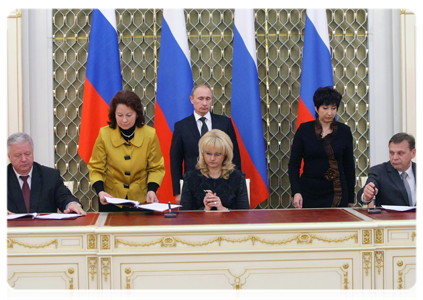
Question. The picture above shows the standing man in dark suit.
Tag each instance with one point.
(393, 182)
(32, 187)
(187, 133)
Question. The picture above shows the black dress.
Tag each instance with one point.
(232, 191)
(315, 189)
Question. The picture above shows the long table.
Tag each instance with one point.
(343, 248)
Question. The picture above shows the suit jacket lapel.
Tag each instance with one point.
(215, 122)
(396, 179)
(15, 191)
(36, 188)
(416, 172)
(192, 125)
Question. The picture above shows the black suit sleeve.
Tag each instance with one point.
(374, 177)
(237, 157)
(176, 158)
(187, 198)
(294, 165)
(349, 165)
(241, 201)
(62, 195)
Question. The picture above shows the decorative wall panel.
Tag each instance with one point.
(279, 40)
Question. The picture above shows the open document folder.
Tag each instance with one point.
(135, 204)
(54, 216)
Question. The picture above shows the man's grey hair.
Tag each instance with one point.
(18, 138)
(200, 85)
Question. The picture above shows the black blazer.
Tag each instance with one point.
(391, 190)
(314, 188)
(184, 148)
(47, 191)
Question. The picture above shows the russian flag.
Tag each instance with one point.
(103, 78)
(317, 63)
(245, 106)
(174, 86)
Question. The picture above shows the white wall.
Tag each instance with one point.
(38, 82)
(384, 81)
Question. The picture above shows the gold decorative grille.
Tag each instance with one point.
(279, 40)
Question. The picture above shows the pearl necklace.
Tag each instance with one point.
(128, 136)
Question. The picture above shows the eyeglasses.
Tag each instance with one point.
(213, 154)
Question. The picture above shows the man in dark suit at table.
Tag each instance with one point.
(32, 187)
(187, 133)
(393, 182)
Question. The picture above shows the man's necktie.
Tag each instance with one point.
(25, 191)
(407, 188)
(204, 128)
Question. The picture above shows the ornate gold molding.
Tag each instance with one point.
(71, 271)
(92, 267)
(400, 280)
(346, 266)
(237, 280)
(91, 242)
(11, 242)
(367, 237)
(128, 278)
(367, 262)
(105, 267)
(105, 242)
(302, 238)
(379, 260)
(379, 236)
(413, 235)
(400, 273)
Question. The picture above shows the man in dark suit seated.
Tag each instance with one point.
(32, 187)
(393, 182)
(187, 133)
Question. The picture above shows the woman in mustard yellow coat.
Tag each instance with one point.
(126, 161)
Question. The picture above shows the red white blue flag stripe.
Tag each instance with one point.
(174, 85)
(103, 78)
(245, 106)
(317, 63)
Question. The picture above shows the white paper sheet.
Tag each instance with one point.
(53, 216)
(56, 216)
(398, 207)
(159, 206)
(16, 216)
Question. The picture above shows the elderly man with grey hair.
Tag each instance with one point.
(32, 187)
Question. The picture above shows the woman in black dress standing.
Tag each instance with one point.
(326, 146)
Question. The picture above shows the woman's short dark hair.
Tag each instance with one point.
(130, 99)
(326, 96)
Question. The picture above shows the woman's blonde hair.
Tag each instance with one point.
(222, 144)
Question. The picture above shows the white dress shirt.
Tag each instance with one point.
(207, 121)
